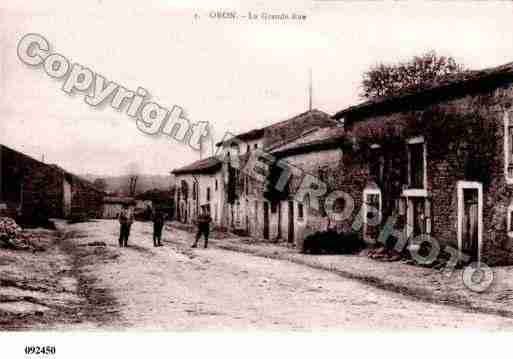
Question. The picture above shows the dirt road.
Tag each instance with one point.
(176, 288)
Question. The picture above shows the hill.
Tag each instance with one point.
(119, 184)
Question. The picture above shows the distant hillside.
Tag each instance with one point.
(119, 184)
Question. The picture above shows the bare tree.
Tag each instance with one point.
(133, 175)
(383, 80)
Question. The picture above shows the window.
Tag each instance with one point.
(322, 207)
(416, 163)
(508, 147)
(274, 206)
(216, 185)
(242, 183)
(247, 148)
(376, 164)
(185, 190)
(246, 187)
(208, 194)
(255, 146)
(509, 220)
(206, 207)
(235, 149)
(195, 191)
(300, 211)
(237, 213)
(322, 173)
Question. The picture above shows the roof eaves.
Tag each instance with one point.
(313, 146)
(500, 73)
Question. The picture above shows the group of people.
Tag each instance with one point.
(126, 218)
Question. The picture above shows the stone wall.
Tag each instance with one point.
(86, 201)
(446, 164)
(34, 188)
(29, 185)
(192, 205)
(325, 166)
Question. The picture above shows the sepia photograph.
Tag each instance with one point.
(255, 178)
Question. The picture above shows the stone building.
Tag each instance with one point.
(438, 162)
(247, 210)
(435, 162)
(30, 188)
(313, 158)
(235, 200)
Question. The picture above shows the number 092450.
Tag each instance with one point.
(40, 350)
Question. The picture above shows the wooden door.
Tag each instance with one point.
(266, 220)
(470, 223)
(279, 219)
(419, 216)
(291, 222)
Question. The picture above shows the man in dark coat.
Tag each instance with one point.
(158, 224)
(126, 218)
(203, 221)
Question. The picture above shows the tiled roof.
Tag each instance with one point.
(260, 132)
(74, 177)
(209, 164)
(57, 168)
(324, 138)
(319, 134)
(465, 82)
(277, 134)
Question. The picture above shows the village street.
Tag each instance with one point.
(176, 288)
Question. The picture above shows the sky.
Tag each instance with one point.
(235, 74)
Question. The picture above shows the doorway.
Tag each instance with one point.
(291, 222)
(470, 218)
(279, 220)
(266, 220)
(371, 203)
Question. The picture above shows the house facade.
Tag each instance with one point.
(437, 162)
(200, 185)
(235, 199)
(311, 159)
(247, 209)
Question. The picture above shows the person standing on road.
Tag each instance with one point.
(126, 218)
(158, 224)
(203, 221)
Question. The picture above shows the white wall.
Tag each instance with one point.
(204, 181)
